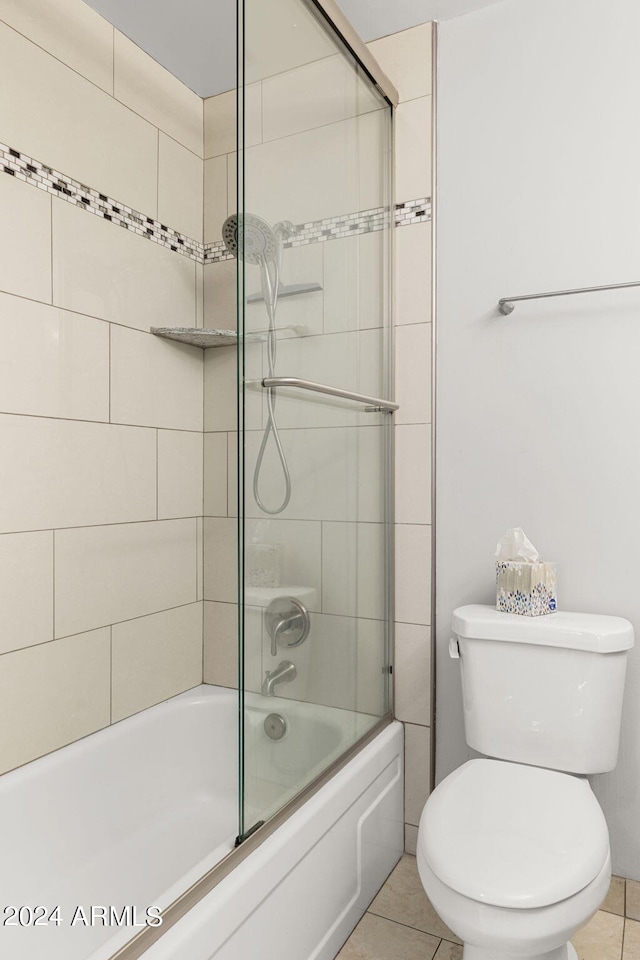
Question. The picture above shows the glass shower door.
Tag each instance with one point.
(314, 454)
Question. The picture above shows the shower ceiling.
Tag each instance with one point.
(192, 38)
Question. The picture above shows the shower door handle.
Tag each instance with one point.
(387, 406)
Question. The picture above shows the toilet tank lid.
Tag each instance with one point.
(577, 631)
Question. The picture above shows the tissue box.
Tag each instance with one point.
(526, 588)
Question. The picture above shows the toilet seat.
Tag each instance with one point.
(512, 835)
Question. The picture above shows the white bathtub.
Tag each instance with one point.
(132, 815)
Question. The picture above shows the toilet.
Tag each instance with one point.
(513, 848)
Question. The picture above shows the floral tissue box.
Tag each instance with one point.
(527, 588)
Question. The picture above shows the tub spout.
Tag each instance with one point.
(285, 672)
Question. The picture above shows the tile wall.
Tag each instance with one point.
(100, 422)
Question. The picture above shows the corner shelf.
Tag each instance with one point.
(205, 338)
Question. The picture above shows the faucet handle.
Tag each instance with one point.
(287, 617)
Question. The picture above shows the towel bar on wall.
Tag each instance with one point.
(506, 304)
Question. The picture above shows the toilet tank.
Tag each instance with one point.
(545, 690)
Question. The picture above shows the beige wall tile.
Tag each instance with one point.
(25, 250)
(371, 152)
(199, 295)
(413, 373)
(417, 750)
(215, 475)
(26, 589)
(633, 899)
(220, 124)
(371, 663)
(56, 116)
(631, 948)
(180, 474)
(105, 272)
(406, 59)
(410, 839)
(336, 159)
(324, 465)
(67, 375)
(402, 898)
(180, 188)
(300, 548)
(69, 473)
(354, 296)
(220, 120)
(377, 937)
(413, 573)
(114, 573)
(220, 296)
(69, 30)
(413, 274)
(336, 359)
(312, 95)
(68, 695)
(232, 182)
(413, 149)
(215, 198)
(353, 557)
(220, 560)
(413, 473)
(155, 382)
(412, 671)
(301, 315)
(358, 645)
(232, 474)
(142, 84)
(155, 657)
(221, 644)
(601, 939)
(220, 390)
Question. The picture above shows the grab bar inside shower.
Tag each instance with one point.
(372, 402)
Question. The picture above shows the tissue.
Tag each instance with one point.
(515, 545)
(525, 585)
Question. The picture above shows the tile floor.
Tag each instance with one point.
(401, 924)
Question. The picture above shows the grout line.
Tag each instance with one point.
(157, 472)
(110, 372)
(53, 572)
(100, 423)
(51, 235)
(110, 674)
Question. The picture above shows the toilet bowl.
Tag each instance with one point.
(514, 858)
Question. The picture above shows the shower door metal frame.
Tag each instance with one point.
(332, 13)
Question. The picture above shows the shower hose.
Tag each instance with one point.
(270, 286)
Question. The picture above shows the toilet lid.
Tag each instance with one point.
(513, 835)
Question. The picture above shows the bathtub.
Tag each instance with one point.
(129, 817)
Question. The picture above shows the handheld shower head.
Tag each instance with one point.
(251, 237)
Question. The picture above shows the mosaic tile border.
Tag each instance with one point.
(337, 228)
(25, 168)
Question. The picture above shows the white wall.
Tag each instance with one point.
(538, 414)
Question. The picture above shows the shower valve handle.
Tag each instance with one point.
(287, 619)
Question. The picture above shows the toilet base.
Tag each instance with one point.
(566, 952)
